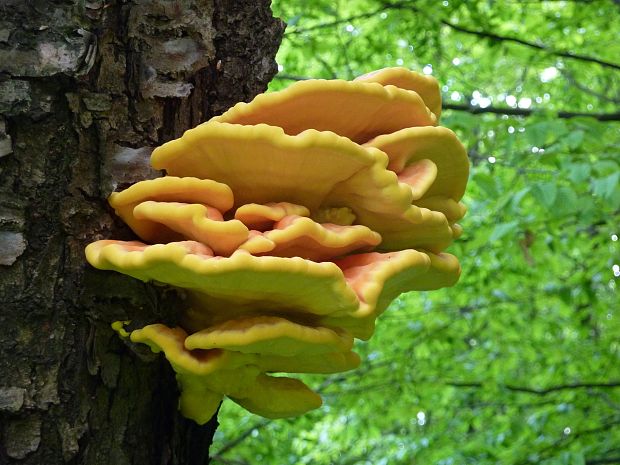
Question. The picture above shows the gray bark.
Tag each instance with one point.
(87, 88)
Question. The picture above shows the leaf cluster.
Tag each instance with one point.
(520, 362)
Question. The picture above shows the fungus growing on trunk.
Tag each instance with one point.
(290, 230)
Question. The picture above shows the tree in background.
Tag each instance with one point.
(519, 363)
(87, 88)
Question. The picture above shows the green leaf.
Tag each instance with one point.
(294, 20)
(572, 458)
(487, 183)
(545, 193)
(605, 187)
(574, 139)
(502, 230)
(566, 202)
(517, 198)
(579, 172)
(545, 132)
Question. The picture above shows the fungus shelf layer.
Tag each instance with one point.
(351, 286)
(290, 229)
(371, 109)
(425, 86)
(321, 171)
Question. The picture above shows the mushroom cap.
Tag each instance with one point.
(171, 341)
(319, 170)
(196, 222)
(296, 236)
(356, 287)
(353, 109)
(206, 376)
(451, 209)
(342, 216)
(262, 217)
(279, 397)
(169, 189)
(270, 335)
(197, 402)
(437, 144)
(417, 228)
(262, 164)
(419, 176)
(426, 86)
(378, 278)
(222, 283)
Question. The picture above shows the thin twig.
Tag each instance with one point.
(534, 45)
(241, 437)
(529, 111)
(497, 110)
(601, 461)
(540, 392)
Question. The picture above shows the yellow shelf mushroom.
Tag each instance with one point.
(290, 229)
(296, 236)
(324, 173)
(262, 217)
(242, 283)
(426, 86)
(371, 109)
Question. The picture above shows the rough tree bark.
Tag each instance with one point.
(87, 88)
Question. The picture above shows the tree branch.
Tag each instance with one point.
(561, 443)
(290, 77)
(601, 461)
(220, 459)
(540, 392)
(516, 40)
(526, 43)
(239, 439)
(586, 90)
(337, 22)
(564, 387)
(495, 110)
(529, 111)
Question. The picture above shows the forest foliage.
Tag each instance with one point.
(520, 362)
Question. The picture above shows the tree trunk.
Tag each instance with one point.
(87, 88)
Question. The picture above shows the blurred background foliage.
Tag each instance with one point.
(520, 362)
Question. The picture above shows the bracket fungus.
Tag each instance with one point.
(290, 230)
